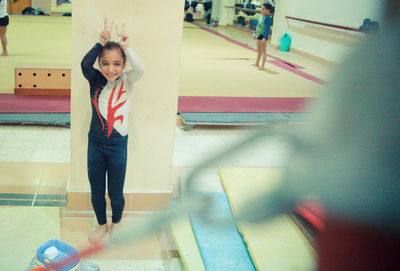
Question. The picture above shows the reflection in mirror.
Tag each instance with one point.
(248, 12)
(61, 7)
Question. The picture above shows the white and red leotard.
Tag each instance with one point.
(111, 101)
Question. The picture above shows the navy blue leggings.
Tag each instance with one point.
(107, 155)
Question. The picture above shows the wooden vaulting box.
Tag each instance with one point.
(17, 6)
(42, 81)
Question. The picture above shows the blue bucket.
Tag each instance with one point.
(285, 42)
(54, 251)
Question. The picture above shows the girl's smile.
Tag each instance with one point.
(111, 64)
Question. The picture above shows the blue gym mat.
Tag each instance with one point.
(58, 119)
(221, 248)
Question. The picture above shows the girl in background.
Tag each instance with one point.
(262, 33)
(4, 21)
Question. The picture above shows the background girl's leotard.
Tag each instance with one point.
(263, 26)
(3, 8)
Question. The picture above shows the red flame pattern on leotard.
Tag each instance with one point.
(111, 118)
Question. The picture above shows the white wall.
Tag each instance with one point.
(155, 32)
(327, 43)
(226, 15)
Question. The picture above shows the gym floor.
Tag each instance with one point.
(37, 40)
(37, 144)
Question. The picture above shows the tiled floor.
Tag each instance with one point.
(141, 265)
(195, 146)
(35, 144)
(52, 145)
(191, 147)
(74, 230)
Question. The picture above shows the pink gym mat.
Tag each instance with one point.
(10, 103)
(204, 104)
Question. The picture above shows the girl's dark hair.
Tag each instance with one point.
(268, 6)
(112, 45)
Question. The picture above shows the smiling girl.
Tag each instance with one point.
(111, 91)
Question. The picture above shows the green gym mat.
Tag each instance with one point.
(192, 119)
(51, 200)
(242, 118)
(57, 119)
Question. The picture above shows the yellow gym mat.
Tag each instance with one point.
(37, 40)
(187, 246)
(213, 66)
(23, 229)
(275, 244)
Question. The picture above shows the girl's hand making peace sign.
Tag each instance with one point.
(123, 39)
(105, 35)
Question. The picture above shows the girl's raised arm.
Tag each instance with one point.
(90, 58)
(137, 64)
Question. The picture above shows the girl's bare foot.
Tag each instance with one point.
(261, 68)
(255, 65)
(4, 54)
(98, 235)
(115, 227)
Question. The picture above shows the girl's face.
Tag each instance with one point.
(111, 64)
(264, 11)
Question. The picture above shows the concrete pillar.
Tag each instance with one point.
(155, 31)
